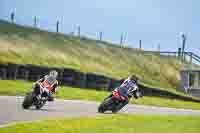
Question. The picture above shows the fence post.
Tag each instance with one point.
(140, 44)
(79, 31)
(12, 17)
(100, 35)
(159, 49)
(179, 52)
(35, 22)
(57, 26)
(139, 51)
(121, 39)
(183, 45)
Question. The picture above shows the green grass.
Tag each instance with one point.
(111, 124)
(21, 87)
(25, 45)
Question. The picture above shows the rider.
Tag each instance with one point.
(51, 81)
(127, 86)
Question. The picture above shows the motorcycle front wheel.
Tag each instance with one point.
(119, 106)
(28, 101)
(104, 106)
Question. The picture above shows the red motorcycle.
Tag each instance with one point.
(116, 101)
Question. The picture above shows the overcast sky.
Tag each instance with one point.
(153, 21)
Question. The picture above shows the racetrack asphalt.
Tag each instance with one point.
(11, 110)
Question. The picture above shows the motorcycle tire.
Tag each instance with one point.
(28, 101)
(104, 105)
(39, 106)
(119, 107)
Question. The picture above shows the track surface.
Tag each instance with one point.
(11, 110)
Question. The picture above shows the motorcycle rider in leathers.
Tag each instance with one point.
(126, 90)
(51, 81)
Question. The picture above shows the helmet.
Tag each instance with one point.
(53, 74)
(134, 78)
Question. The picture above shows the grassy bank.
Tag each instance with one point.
(111, 124)
(21, 87)
(20, 45)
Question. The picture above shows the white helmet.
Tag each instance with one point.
(53, 74)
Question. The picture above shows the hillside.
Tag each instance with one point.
(27, 45)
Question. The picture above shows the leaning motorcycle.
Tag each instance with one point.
(116, 102)
(37, 97)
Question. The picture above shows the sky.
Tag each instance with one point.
(152, 21)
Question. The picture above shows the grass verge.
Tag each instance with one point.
(111, 124)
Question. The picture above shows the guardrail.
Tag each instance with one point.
(68, 77)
